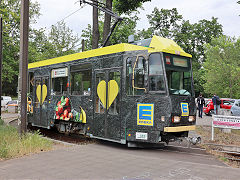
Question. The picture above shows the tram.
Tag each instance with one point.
(126, 93)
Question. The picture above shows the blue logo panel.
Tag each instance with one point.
(145, 114)
(184, 108)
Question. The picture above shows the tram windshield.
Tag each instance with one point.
(179, 75)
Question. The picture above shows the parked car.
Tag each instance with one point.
(235, 110)
(208, 109)
(5, 100)
(12, 106)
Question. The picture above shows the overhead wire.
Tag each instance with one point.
(81, 6)
(67, 16)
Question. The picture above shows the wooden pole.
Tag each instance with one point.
(1, 51)
(23, 65)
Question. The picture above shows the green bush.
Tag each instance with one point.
(12, 144)
(1, 122)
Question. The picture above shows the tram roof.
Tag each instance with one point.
(157, 44)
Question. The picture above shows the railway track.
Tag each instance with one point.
(232, 153)
(71, 138)
(80, 139)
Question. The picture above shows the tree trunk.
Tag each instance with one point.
(95, 35)
(107, 21)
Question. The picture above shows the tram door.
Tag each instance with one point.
(41, 101)
(107, 103)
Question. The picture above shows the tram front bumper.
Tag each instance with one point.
(179, 128)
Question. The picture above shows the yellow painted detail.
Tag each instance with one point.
(38, 93)
(145, 114)
(179, 128)
(87, 54)
(160, 44)
(112, 92)
(101, 91)
(41, 93)
(184, 109)
(44, 93)
(83, 116)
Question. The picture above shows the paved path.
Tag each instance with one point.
(205, 121)
(8, 117)
(113, 161)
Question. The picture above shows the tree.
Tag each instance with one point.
(63, 40)
(165, 22)
(121, 6)
(222, 67)
(10, 10)
(59, 42)
(127, 6)
(95, 33)
(191, 37)
(107, 21)
(121, 33)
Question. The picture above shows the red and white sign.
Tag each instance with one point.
(226, 122)
(61, 72)
(168, 60)
(232, 122)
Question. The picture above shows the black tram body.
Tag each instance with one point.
(121, 93)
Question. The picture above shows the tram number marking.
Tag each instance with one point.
(140, 135)
(145, 114)
(184, 108)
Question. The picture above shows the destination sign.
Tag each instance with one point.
(180, 62)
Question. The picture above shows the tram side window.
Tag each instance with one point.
(59, 81)
(99, 105)
(37, 83)
(129, 72)
(31, 82)
(156, 77)
(59, 85)
(81, 82)
(139, 75)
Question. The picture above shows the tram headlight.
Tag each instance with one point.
(191, 118)
(176, 119)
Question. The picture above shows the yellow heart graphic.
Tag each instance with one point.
(112, 92)
(43, 90)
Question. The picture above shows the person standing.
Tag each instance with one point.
(201, 103)
(216, 102)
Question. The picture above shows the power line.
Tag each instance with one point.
(67, 17)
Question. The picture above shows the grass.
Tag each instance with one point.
(232, 138)
(220, 137)
(13, 145)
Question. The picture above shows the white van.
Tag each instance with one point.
(5, 100)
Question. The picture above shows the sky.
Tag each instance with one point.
(227, 12)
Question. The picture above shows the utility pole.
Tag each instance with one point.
(83, 45)
(23, 65)
(1, 57)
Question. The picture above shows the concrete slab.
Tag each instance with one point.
(8, 117)
(113, 161)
